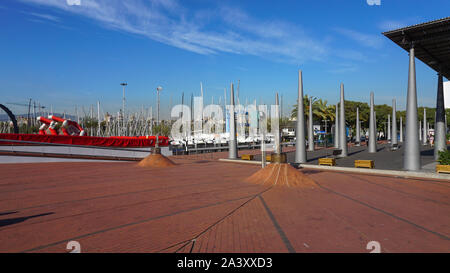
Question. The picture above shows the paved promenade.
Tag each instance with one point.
(203, 205)
(384, 159)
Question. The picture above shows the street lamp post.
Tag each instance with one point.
(326, 125)
(326, 132)
(158, 89)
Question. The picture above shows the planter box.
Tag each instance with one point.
(443, 168)
(247, 157)
(327, 161)
(364, 164)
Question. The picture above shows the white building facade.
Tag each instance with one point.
(447, 94)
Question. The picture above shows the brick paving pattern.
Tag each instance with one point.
(202, 205)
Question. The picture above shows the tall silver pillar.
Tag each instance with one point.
(394, 123)
(277, 133)
(411, 155)
(425, 133)
(336, 127)
(342, 131)
(300, 147)
(401, 129)
(358, 129)
(310, 128)
(232, 142)
(372, 127)
(439, 126)
(420, 130)
(376, 128)
(389, 128)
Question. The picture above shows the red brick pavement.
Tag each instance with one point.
(205, 206)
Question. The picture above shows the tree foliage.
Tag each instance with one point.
(323, 111)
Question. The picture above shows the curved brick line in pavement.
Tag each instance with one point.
(132, 224)
(192, 240)
(128, 205)
(115, 195)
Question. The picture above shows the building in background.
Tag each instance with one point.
(447, 94)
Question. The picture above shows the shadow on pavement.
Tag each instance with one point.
(7, 213)
(12, 221)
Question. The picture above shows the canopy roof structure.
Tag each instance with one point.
(431, 42)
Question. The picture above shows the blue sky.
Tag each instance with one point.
(66, 55)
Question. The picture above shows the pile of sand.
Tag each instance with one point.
(157, 161)
(281, 174)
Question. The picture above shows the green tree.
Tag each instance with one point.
(321, 110)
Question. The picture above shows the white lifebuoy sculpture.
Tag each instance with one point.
(47, 124)
(69, 127)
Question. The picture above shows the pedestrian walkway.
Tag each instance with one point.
(384, 159)
(206, 206)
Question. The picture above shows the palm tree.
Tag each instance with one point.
(320, 109)
(305, 106)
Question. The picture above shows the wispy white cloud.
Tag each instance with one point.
(209, 31)
(368, 40)
(43, 16)
(167, 21)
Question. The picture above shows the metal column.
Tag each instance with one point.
(394, 123)
(336, 127)
(372, 127)
(342, 131)
(277, 133)
(232, 147)
(358, 129)
(420, 130)
(439, 127)
(389, 128)
(411, 156)
(310, 128)
(401, 129)
(425, 131)
(300, 148)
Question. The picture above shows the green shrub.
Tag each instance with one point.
(444, 157)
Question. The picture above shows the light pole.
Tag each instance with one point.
(158, 89)
(385, 135)
(326, 132)
(394, 140)
(123, 105)
(262, 117)
(326, 124)
(336, 127)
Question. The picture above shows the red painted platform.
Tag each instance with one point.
(124, 142)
